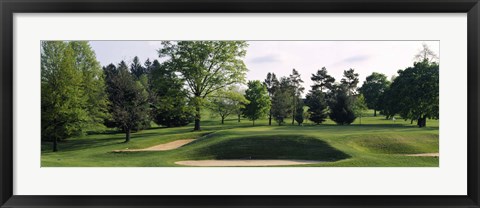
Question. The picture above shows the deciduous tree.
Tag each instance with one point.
(360, 107)
(226, 102)
(168, 97)
(205, 66)
(414, 94)
(373, 88)
(259, 102)
(73, 91)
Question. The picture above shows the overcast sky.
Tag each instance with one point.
(281, 57)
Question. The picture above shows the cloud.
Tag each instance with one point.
(354, 59)
(271, 58)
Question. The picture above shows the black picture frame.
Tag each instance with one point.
(10, 7)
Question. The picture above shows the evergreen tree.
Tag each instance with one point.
(136, 67)
(317, 106)
(128, 97)
(299, 111)
(282, 100)
(297, 90)
(322, 80)
(342, 106)
(148, 66)
(350, 81)
(272, 84)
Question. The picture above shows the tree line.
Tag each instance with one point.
(78, 94)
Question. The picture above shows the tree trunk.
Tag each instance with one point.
(422, 121)
(197, 118)
(270, 118)
(253, 122)
(238, 118)
(374, 112)
(55, 144)
(223, 118)
(127, 135)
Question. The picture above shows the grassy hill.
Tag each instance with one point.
(377, 142)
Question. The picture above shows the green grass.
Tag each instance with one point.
(377, 142)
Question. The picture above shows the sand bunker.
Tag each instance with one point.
(424, 155)
(162, 147)
(244, 163)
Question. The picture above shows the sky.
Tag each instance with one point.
(280, 57)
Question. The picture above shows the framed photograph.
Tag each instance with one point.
(264, 103)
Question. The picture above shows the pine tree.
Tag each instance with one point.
(128, 97)
(317, 106)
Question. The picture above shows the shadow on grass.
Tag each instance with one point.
(272, 147)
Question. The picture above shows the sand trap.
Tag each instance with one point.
(162, 147)
(424, 155)
(243, 163)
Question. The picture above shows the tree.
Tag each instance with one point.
(148, 65)
(297, 90)
(414, 94)
(322, 80)
(136, 68)
(342, 106)
(128, 97)
(299, 111)
(241, 104)
(259, 102)
(360, 107)
(373, 88)
(317, 106)
(350, 81)
(169, 100)
(282, 100)
(73, 98)
(226, 102)
(272, 84)
(62, 106)
(426, 54)
(205, 66)
(93, 83)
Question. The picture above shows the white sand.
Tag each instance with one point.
(244, 163)
(424, 155)
(162, 147)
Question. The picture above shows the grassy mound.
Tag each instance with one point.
(396, 144)
(271, 147)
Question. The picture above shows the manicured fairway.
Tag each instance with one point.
(375, 143)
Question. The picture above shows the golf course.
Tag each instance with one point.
(209, 104)
(377, 142)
